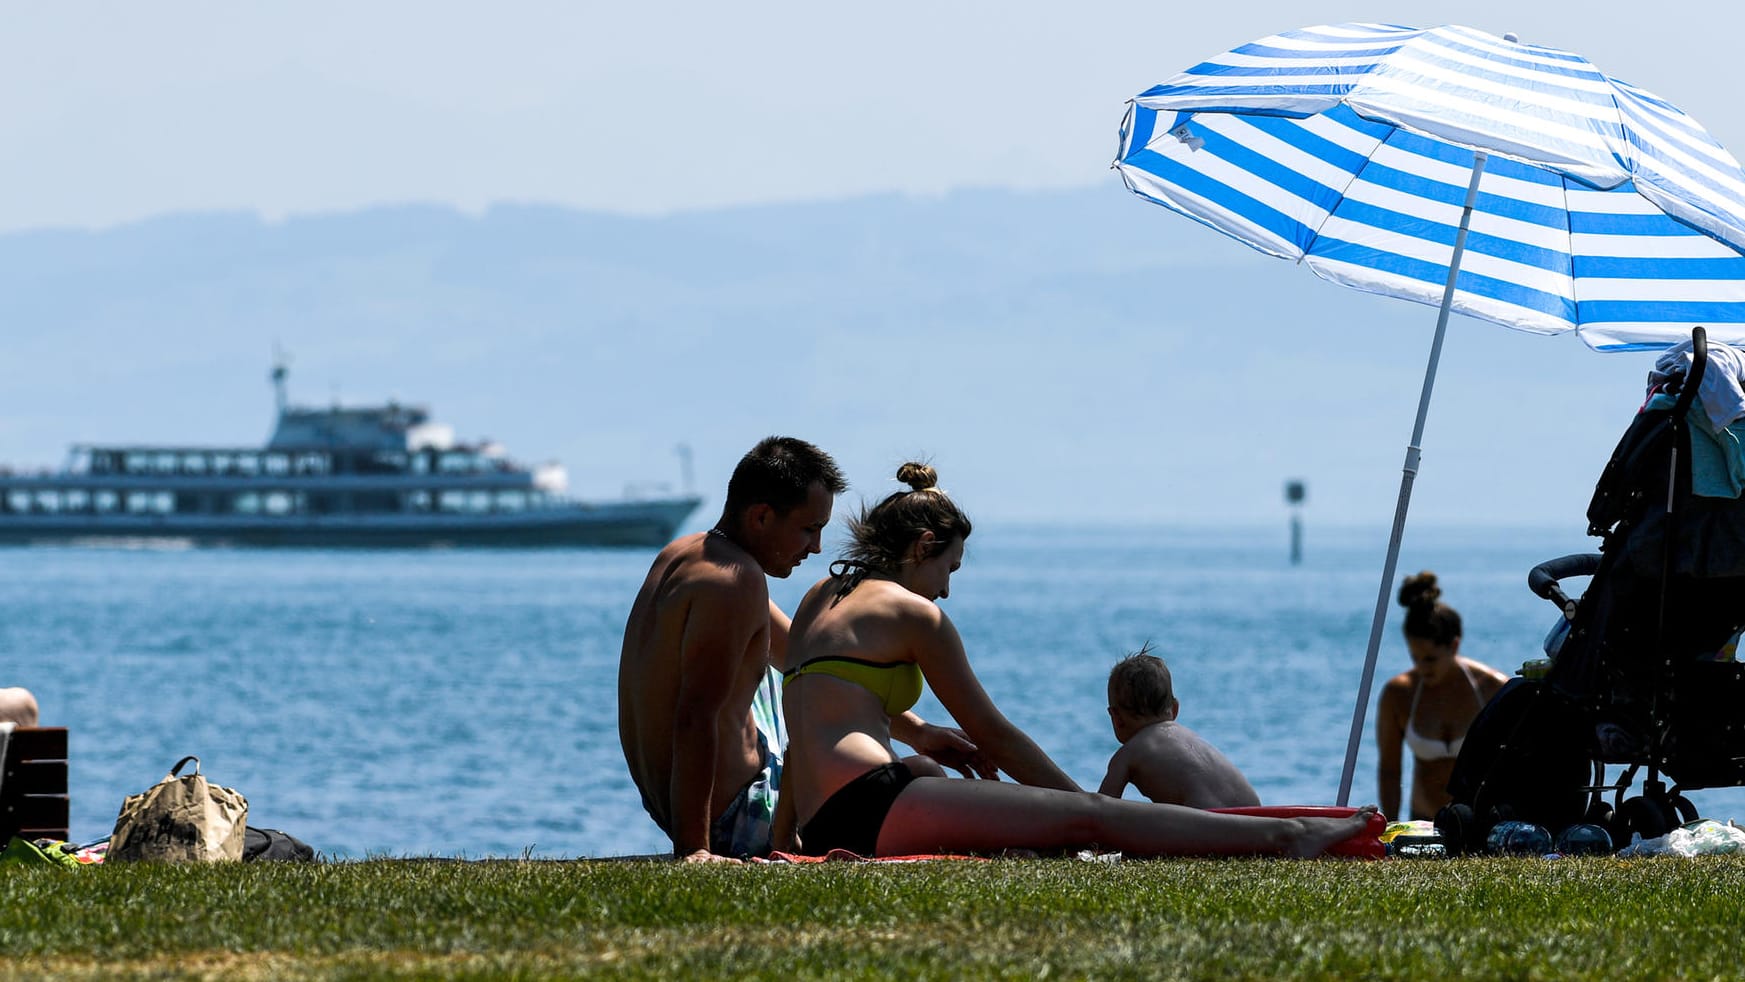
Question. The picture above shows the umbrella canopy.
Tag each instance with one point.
(1511, 182)
(1603, 209)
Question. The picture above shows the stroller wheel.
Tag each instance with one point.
(1687, 810)
(1459, 829)
(1645, 816)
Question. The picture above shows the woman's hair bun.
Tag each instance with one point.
(1419, 589)
(918, 476)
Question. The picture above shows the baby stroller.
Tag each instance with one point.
(1641, 673)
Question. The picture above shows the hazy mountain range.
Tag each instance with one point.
(1080, 355)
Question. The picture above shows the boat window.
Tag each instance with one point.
(18, 500)
(104, 501)
(381, 462)
(277, 503)
(246, 503)
(276, 463)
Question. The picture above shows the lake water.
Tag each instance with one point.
(461, 703)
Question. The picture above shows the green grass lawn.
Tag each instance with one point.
(1466, 918)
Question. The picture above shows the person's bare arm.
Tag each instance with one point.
(779, 626)
(1390, 733)
(1490, 681)
(722, 621)
(939, 652)
(950, 746)
(1115, 781)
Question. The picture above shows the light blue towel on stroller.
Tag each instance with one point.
(1717, 457)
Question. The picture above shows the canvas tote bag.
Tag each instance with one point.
(181, 819)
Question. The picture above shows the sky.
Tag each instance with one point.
(115, 112)
(121, 112)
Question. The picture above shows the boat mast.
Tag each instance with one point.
(281, 368)
(684, 452)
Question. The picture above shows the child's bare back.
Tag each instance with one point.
(1170, 763)
(1165, 760)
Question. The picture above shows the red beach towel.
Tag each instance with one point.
(844, 856)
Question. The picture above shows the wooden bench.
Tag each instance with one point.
(33, 786)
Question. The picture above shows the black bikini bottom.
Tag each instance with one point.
(851, 818)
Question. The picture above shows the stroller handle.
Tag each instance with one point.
(1699, 363)
(1543, 579)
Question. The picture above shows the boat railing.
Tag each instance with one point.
(204, 462)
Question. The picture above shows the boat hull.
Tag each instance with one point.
(628, 523)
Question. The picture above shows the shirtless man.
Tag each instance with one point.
(1165, 760)
(699, 643)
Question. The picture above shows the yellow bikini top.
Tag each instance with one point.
(897, 684)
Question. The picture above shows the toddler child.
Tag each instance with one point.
(1165, 760)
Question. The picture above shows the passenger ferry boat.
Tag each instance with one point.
(345, 476)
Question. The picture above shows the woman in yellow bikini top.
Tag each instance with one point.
(1428, 709)
(861, 645)
(898, 685)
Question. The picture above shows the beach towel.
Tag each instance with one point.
(766, 712)
(844, 856)
(1721, 393)
(1717, 456)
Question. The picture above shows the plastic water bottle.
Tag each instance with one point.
(1518, 839)
(1584, 840)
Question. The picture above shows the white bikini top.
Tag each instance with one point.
(1430, 748)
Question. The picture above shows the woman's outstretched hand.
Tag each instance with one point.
(953, 748)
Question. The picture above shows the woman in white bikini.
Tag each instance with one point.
(1429, 706)
(864, 640)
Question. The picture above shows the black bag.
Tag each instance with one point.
(1525, 752)
(271, 844)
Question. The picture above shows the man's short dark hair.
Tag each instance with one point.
(779, 472)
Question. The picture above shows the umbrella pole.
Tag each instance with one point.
(1410, 473)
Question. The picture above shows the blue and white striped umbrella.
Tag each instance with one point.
(1511, 182)
(1602, 208)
